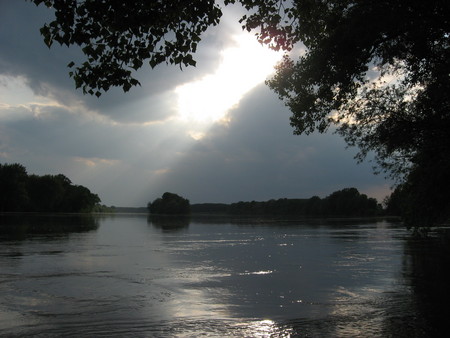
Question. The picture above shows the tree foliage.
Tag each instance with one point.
(49, 193)
(379, 72)
(347, 202)
(117, 37)
(376, 71)
(13, 188)
(170, 204)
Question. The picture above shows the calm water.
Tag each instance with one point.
(132, 276)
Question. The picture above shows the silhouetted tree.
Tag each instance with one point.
(378, 71)
(48, 193)
(213, 208)
(349, 202)
(118, 36)
(395, 203)
(79, 199)
(345, 202)
(169, 203)
(13, 190)
(314, 206)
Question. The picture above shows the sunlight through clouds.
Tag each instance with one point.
(243, 66)
(212, 134)
(94, 161)
(18, 101)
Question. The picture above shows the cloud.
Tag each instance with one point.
(24, 54)
(129, 149)
(256, 157)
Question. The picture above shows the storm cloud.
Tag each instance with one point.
(129, 148)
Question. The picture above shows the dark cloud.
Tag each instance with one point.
(63, 133)
(111, 146)
(256, 157)
(45, 71)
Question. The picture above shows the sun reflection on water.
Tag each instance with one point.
(267, 328)
(262, 272)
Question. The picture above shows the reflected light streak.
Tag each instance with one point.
(268, 328)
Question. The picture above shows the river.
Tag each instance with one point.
(134, 276)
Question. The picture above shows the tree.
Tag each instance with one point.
(379, 72)
(349, 202)
(13, 192)
(375, 71)
(48, 193)
(169, 203)
(79, 199)
(118, 36)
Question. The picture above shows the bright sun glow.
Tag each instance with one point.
(243, 66)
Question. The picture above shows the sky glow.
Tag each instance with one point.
(211, 133)
(244, 65)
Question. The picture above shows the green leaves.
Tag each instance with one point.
(117, 37)
(45, 32)
(189, 61)
(170, 204)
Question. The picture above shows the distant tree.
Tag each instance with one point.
(349, 202)
(102, 208)
(212, 208)
(79, 199)
(169, 203)
(314, 206)
(345, 202)
(47, 193)
(13, 187)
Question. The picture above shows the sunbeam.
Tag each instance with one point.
(243, 66)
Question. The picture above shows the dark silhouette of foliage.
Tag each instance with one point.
(211, 208)
(377, 71)
(169, 204)
(349, 202)
(422, 201)
(118, 36)
(19, 226)
(49, 193)
(13, 190)
(346, 202)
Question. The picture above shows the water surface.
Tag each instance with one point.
(129, 275)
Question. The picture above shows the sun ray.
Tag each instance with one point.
(243, 66)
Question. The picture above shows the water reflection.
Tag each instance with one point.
(425, 270)
(169, 223)
(22, 226)
(183, 278)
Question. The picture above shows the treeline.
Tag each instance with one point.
(346, 202)
(169, 204)
(20, 192)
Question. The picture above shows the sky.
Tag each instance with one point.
(210, 133)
